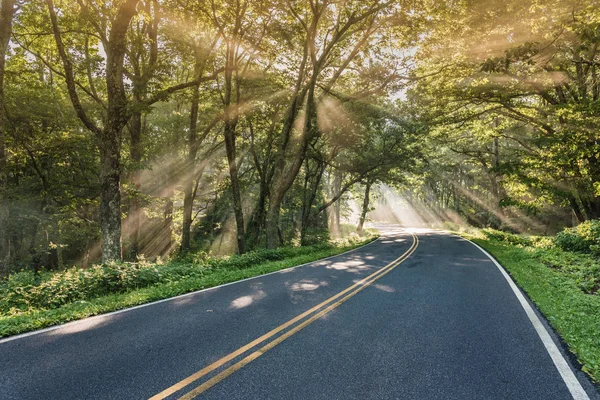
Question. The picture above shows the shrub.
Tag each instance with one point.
(584, 238)
(542, 242)
(27, 290)
(315, 236)
(24, 291)
(510, 238)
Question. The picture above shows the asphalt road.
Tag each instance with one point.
(410, 316)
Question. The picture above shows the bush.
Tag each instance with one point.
(315, 236)
(506, 237)
(584, 238)
(27, 290)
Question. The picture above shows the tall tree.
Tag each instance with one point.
(365, 207)
(142, 67)
(7, 12)
(109, 136)
(111, 25)
(327, 30)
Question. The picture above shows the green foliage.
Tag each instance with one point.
(556, 252)
(316, 236)
(173, 144)
(508, 139)
(507, 237)
(584, 237)
(583, 269)
(26, 291)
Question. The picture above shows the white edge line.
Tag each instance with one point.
(108, 314)
(561, 364)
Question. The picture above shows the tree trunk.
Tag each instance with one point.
(135, 152)
(110, 204)
(335, 216)
(235, 185)
(7, 11)
(143, 67)
(109, 138)
(499, 190)
(278, 189)
(365, 208)
(231, 119)
(257, 221)
(284, 178)
(167, 231)
(594, 208)
(272, 224)
(188, 198)
(310, 199)
(579, 214)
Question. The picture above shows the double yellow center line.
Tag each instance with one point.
(324, 307)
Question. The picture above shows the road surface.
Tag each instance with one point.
(421, 315)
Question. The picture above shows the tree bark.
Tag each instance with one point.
(257, 220)
(577, 207)
(167, 231)
(337, 205)
(279, 184)
(285, 178)
(365, 208)
(194, 143)
(265, 170)
(110, 139)
(110, 203)
(7, 12)
(135, 152)
(188, 198)
(144, 66)
(231, 119)
(117, 115)
(499, 190)
(309, 198)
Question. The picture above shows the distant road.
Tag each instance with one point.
(414, 315)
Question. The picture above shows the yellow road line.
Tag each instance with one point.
(360, 284)
(235, 367)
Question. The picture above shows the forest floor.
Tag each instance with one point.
(564, 285)
(31, 301)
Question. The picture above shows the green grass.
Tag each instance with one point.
(563, 284)
(21, 309)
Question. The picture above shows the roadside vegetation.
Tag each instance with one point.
(561, 275)
(31, 300)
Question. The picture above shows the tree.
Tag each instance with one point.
(365, 207)
(141, 68)
(112, 32)
(530, 74)
(109, 136)
(351, 27)
(7, 12)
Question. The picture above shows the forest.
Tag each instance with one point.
(148, 129)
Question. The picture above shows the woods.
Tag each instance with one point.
(514, 111)
(145, 129)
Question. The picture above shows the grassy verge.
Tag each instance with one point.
(21, 309)
(563, 284)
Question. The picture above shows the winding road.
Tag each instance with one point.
(417, 314)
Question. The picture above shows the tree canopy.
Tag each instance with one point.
(143, 128)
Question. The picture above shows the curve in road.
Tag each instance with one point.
(389, 320)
